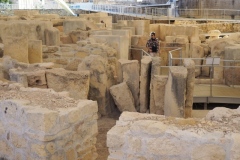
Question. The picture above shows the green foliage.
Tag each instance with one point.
(4, 1)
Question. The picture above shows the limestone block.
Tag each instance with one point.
(1, 50)
(35, 51)
(157, 94)
(235, 37)
(17, 48)
(234, 153)
(47, 16)
(39, 150)
(1, 71)
(145, 83)
(131, 29)
(232, 75)
(197, 52)
(157, 136)
(214, 33)
(128, 72)
(117, 42)
(182, 39)
(218, 46)
(78, 35)
(71, 25)
(75, 82)
(36, 78)
(19, 77)
(123, 97)
(97, 65)
(170, 39)
(66, 39)
(208, 151)
(155, 69)
(33, 29)
(172, 30)
(18, 141)
(73, 64)
(44, 121)
(190, 65)
(52, 37)
(175, 94)
(142, 26)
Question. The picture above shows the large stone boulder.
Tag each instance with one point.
(123, 97)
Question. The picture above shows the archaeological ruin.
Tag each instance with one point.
(84, 87)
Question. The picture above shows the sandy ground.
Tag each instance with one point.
(104, 125)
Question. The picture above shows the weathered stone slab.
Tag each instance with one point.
(146, 63)
(190, 65)
(157, 136)
(16, 48)
(75, 82)
(157, 96)
(35, 51)
(128, 71)
(197, 52)
(123, 97)
(155, 69)
(71, 25)
(43, 124)
(52, 37)
(232, 75)
(175, 94)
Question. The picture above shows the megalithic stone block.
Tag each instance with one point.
(123, 97)
(175, 93)
(16, 48)
(52, 36)
(190, 65)
(128, 71)
(158, 84)
(146, 63)
(35, 51)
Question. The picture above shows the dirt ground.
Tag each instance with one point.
(104, 125)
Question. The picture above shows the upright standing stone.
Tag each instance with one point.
(190, 65)
(35, 51)
(129, 72)
(158, 84)
(175, 94)
(145, 83)
(16, 48)
(52, 37)
(156, 63)
(97, 65)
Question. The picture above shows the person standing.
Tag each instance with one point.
(153, 45)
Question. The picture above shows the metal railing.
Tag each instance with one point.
(145, 12)
(228, 67)
(230, 14)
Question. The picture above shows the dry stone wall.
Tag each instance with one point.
(149, 136)
(43, 124)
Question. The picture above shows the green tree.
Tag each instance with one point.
(4, 1)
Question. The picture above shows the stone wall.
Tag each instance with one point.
(149, 136)
(43, 124)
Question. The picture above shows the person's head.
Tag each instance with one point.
(153, 35)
